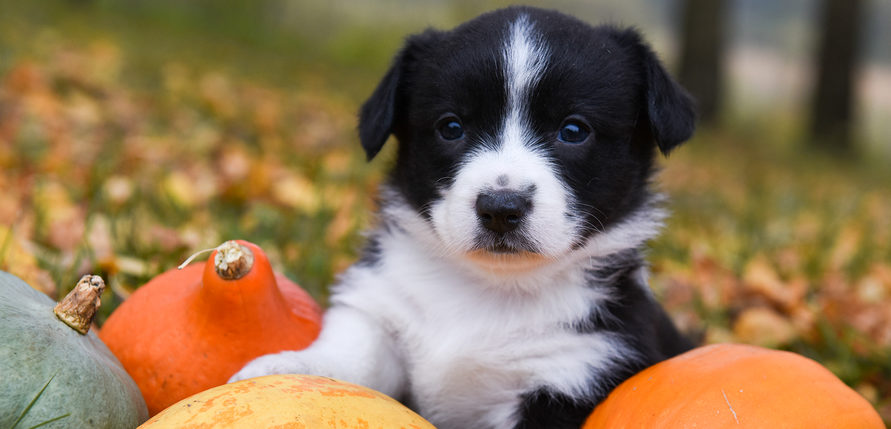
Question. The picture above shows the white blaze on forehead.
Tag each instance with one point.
(525, 59)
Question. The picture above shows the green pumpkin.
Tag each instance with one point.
(52, 375)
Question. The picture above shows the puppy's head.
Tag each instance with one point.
(525, 134)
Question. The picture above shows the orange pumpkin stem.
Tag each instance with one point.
(238, 275)
(79, 307)
(232, 260)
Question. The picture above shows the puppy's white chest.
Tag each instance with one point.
(471, 361)
(471, 349)
(474, 381)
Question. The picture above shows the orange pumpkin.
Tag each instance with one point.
(288, 400)
(735, 386)
(189, 330)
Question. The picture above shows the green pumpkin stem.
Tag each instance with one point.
(232, 260)
(79, 306)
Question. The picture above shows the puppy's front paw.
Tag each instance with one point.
(278, 363)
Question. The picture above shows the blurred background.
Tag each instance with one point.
(135, 132)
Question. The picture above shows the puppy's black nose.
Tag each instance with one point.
(502, 211)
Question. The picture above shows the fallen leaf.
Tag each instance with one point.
(761, 279)
(764, 327)
(118, 190)
(180, 189)
(295, 191)
(16, 260)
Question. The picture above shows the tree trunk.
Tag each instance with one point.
(833, 102)
(702, 48)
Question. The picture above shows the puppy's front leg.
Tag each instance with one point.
(351, 347)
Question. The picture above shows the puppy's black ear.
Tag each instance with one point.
(671, 111)
(381, 112)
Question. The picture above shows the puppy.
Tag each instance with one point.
(504, 285)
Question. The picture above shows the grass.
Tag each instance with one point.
(130, 140)
(31, 404)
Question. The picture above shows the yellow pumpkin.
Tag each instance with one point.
(735, 386)
(288, 401)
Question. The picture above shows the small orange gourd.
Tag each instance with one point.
(188, 330)
(735, 386)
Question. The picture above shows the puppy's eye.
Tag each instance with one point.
(450, 128)
(574, 131)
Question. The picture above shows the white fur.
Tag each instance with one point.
(470, 343)
(353, 346)
(526, 59)
(463, 336)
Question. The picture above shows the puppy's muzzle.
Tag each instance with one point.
(502, 211)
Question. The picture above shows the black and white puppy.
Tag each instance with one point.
(504, 285)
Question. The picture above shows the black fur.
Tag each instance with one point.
(371, 254)
(544, 409)
(605, 76)
(633, 313)
(636, 317)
